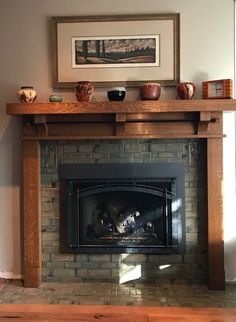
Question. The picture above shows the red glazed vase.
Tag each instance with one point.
(84, 91)
(150, 91)
(186, 90)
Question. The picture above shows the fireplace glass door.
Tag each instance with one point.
(118, 213)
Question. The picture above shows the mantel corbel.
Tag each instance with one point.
(205, 118)
(41, 124)
(120, 123)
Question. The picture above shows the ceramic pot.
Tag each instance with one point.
(116, 94)
(27, 94)
(150, 91)
(84, 91)
(186, 90)
(55, 98)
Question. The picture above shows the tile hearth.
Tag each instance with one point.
(180, 295)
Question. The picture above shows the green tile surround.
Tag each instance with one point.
(190, 267)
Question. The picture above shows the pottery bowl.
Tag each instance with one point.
(55, 98)
(150, 91)
(116, 94)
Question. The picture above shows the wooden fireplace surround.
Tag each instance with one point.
(202, 119)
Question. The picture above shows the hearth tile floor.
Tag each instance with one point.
(111, 294)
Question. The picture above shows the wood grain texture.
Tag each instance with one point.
(87, 313)
(169, 106)
(32, 213)
(215, 214)
(205, 116)
(118, 137)
(111, 117)
(198, 125)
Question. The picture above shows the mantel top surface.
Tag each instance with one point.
(122, 107)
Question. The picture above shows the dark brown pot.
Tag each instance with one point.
(150, 91)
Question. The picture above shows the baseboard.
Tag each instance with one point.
(10, 276)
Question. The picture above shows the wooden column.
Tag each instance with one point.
(216, 278)
(32, 214)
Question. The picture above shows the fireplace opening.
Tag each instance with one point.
(122, 208)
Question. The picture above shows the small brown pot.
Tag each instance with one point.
(150, 91)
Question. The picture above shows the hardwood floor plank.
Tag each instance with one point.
(106, 313)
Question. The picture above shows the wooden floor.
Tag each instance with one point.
(86, 313)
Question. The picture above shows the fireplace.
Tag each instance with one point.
(197, 119)
(122, 208)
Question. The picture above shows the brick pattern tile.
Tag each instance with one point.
(191, 267)
(162, 294)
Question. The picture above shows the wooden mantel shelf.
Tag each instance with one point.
(201, 119)
(165, 106)
(107, 120)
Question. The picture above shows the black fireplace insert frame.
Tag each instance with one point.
(70, 173)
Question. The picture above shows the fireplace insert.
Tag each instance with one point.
(122, 208)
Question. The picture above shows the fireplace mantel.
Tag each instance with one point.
(122, 107)
(111, 120)
(202, 119)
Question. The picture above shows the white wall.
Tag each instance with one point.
(230, 196)
(207, 48)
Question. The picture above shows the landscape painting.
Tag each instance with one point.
(120, 51)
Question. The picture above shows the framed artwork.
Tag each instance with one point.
(115, 50)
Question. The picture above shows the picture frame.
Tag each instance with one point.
(109, 51)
